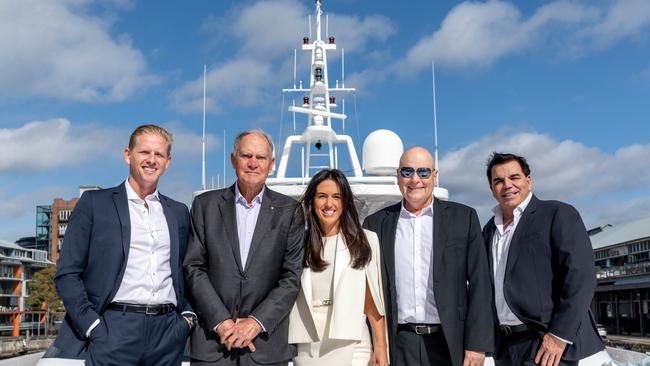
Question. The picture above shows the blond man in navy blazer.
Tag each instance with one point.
(119, 274)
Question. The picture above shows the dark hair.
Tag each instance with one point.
(502, 158)
(355, 238)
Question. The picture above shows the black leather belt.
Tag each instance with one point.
(512, 329)
(159, 309)
(421, 329)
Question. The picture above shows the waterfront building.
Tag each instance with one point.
(17, 267)
(622, 254)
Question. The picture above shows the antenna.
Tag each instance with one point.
(205, 68)
(295, 56)
(327, 25)
(435, 123)
(224, 158)
(309, 26)
(342, 67)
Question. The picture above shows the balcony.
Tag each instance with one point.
(627, 270)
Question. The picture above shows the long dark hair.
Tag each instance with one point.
(355, 238)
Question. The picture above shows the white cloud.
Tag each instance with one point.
(478, 34)
(238, 82)
(250, 27)
(251, 76)
(565, 170)
(18, 209)
(624, 18)
(289, 21)
(355, 34)
(51, 144)
(57, 49)
(15, 205)
(188, 142)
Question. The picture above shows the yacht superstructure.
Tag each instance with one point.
(374, 182)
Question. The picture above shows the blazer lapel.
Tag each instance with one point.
(524, 223)
(487, 238)
(439, 235)
(172, 226)
(121, 203)
(388, 231)
(262, 224)
(305, 282)
(387, 245)
(122, 208)
(229, 216)
(341, 263)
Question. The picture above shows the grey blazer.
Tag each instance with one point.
(220, 288)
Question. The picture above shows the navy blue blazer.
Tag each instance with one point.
(93, 260)
(550, 274)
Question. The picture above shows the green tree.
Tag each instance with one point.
(42, 290)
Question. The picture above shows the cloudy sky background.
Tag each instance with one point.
(565, 83)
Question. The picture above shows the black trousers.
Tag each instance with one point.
(135, 339)
(520, 349)
(426, 350)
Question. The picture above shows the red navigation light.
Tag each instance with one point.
(305, 100)
(332, 100)
(331, 39)
(305, 40)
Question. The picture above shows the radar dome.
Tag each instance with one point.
(381, 152)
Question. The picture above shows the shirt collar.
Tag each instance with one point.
(428, 211)
(131, 195)
(498, 213)
(256, 200)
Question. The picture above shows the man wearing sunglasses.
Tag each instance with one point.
(436, 278)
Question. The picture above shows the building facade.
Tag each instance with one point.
(622, 299)
(17, 267)
(43, 228)
(61, 210)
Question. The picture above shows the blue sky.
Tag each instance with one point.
(565, 83)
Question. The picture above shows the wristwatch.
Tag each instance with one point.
(191, 319)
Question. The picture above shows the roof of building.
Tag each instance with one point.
(10, 245)
(621, 233)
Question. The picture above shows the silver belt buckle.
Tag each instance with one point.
(326, 302)
(506, 329)
(150, 310)
(425, 329)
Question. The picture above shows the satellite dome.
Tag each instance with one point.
(381, 152)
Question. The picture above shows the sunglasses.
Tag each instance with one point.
(407, 172)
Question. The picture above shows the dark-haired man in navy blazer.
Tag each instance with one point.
(119, 274)
(543, 272)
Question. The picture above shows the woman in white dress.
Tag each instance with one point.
(341, 282)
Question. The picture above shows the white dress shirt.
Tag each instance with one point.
(414, 267)
(246, 221)
(148, 277)
(500, 247)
